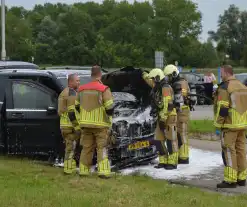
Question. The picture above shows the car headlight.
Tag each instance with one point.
(121, 128)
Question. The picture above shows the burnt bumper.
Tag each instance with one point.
(135, 152)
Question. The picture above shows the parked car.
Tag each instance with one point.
(202, 89)
(68, 67)
(242, 77)
(17, 65)
(62, 75)
(29, 123)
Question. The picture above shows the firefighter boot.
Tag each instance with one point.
(69, 166)
(225, 184)
(241, 182)
(172, 161)
(183, 161)
(84, 170)
(160, 165)
(170, 167)
(162, 162)
(104, 169)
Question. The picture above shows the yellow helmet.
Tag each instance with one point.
(156, 72)
(170, 70)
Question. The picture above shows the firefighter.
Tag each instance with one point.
(68, 123)
(166, 132)
(96, 110)
(230, 119)
(181, 101)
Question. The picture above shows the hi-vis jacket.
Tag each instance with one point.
(67, 99)
(230, 105)
(168, 96)
(180, 84)
(96, 105)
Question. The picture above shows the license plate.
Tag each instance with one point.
(139, 145)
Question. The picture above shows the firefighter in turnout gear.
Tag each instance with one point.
(68, 123)
(166, 132)
(96, 110)
(230, 120)
(181, 102)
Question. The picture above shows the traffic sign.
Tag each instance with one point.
(159, 59)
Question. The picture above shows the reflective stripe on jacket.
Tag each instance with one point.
(230, 108)
(96, 105)
(66, 100)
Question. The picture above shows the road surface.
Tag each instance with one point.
(205, 169)
(202, 112)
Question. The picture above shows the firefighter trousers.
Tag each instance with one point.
(234, 155)
(182, 129)
(167, 145)
(183, 141)
(70, 139)
(95, 138)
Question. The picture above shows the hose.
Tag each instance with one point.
(209, 99)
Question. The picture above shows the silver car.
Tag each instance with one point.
(242, 77)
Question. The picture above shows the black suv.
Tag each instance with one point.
(17, 65)
(202, 89)
(30, 124)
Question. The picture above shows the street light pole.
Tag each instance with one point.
(3, 53)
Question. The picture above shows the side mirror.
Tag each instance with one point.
(51, 110)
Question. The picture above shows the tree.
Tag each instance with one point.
(104, 52)
(19, 45)
(46, 40)
(173, 21)
(113, 34)
(231, 33)
(75, 37)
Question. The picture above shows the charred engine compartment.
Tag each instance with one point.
(132, 122)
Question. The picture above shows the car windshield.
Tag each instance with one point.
(241, 77)
(190, 77)
(83, 80)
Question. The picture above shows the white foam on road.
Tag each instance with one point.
(201, 162)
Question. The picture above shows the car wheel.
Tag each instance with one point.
(201, 100)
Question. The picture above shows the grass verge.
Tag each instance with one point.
(26, 183)
(201, 126)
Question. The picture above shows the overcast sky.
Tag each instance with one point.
(210, 9)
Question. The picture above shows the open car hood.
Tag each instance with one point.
(128, 80)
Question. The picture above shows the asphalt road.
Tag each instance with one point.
(202, 112)
(209, 180)
(204, 171)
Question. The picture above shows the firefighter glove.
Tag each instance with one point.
(162, 126)
(217, 132)
(77, 131)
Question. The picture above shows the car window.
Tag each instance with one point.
(241, 77)
(63, 81)
(197, 78)
(83, 80)
(191, 77)
(188, 77)
(29, 96)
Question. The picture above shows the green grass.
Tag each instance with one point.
(26, 183)
(202, 126)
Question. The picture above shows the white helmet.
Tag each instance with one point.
(156, 72)
(171, 70)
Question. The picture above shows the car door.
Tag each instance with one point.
(3, 82)
(31, 117)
